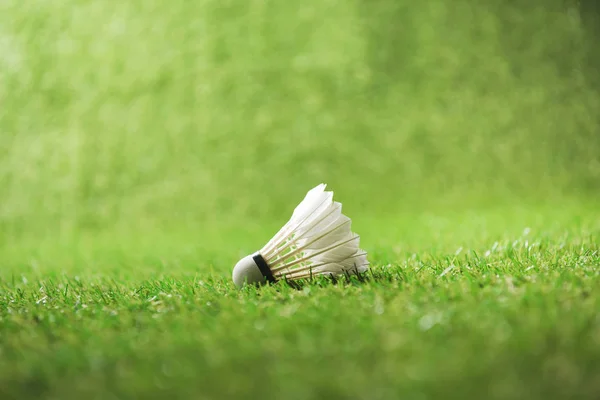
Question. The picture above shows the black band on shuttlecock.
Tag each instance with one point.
(264, 268)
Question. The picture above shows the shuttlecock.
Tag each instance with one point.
(317, 240)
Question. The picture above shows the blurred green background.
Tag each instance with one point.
(204, 122)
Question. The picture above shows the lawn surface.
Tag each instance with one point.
(146, 146)
(472, 314)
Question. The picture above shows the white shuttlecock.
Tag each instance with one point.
(317, 240)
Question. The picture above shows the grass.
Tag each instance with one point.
(146, 146)
(497, 310)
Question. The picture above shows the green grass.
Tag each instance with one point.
(146, 146)
(497, 304)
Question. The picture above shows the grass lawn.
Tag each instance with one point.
(503, 305)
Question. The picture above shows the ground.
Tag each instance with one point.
(502, 308)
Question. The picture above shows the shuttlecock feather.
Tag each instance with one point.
(317, 240)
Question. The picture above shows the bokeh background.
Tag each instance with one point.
(192, 129)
